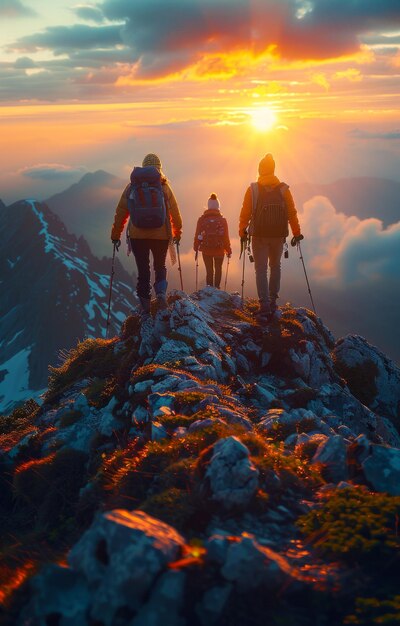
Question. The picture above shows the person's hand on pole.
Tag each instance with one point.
(116, 243)
(295, 240)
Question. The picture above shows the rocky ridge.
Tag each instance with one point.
(186, 470)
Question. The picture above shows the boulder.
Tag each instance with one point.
(382, 469)
(372, 377)
(231, 475)
(249, 565)
(332, 454)
(120, 556)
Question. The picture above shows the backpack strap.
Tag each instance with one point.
(254, 198)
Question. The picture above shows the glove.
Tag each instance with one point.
(295, 240)
(229, 255)
(116, 243)
(176, 239)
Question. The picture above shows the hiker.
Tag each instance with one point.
(150, 230)
(212, 240)
(267, 209)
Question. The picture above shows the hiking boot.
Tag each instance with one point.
(264, 308)
(144, 308)
(160, 288)
(161, 301)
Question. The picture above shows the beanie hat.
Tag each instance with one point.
(213, 202)
(152, 159)
(266, 165)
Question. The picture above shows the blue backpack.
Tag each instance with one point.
(146, 200)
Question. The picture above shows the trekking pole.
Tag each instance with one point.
(226, 275)
(243, 242)
(305, 273)
(116, 246)
(179, 263)
(196, 256)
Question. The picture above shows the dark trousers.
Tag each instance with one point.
(213, 269)
(141, 249)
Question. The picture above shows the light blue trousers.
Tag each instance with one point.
(267, 251)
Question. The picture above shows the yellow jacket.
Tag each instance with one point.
(247, 206)
(171, 228)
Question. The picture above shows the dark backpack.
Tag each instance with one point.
(146, 200)
(270, 215)
(212, 233)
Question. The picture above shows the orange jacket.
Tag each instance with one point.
(247, 206)
(172, 226)
(226, 246)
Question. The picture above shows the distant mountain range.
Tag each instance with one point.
(54, 291)
(87, 207)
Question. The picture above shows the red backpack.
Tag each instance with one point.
(212, 232)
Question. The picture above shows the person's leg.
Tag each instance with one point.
(260, 254)
(275, 249)
(218, 260)
(141, 252)
(208, 262)
(159, 249)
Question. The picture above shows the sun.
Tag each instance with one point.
(262, 119)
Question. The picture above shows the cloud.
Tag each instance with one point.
(66, 39)
(52, 171)
(363, 134)
(89, 13)
(24, 63)
(213, 27)
(347, 251)
(14, 9)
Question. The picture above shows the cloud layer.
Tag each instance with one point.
(15, 9)
(143, 41)
(52, 171)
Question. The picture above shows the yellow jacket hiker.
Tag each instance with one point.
(267, 237)
(146, 240)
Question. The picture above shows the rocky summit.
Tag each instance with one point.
(202, 469)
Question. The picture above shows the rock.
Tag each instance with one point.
(233, 417)
(205, 423)
(164, 604)
(120, 556)
(217, 547)
(232, 477)
(143, 386)
(212, 604)
(382, 469)
(372, 377)
(332, 454)
(172, 350)
(157, 400)
(158, 431)
(140, 415)
(58, 591)
(250, 565)
(310, 365)
(107, 422)
(263, 396)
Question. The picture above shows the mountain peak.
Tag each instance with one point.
(99, 177)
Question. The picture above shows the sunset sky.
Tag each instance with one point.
(211, 86)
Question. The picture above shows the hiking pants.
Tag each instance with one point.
(267, 250)
(213, 269)
(141, 249)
